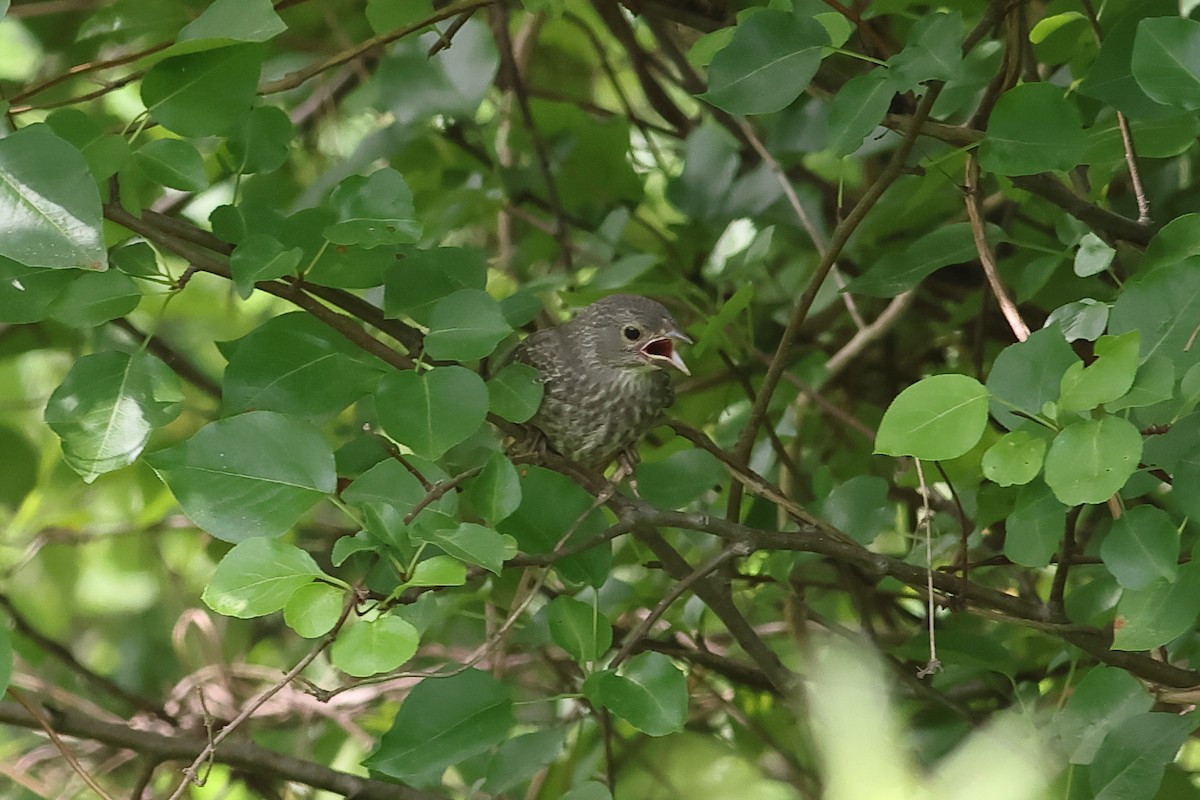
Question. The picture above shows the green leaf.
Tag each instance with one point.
(137, 259)
(496, 491)
(1015, 459)
(438, 571)
(681, 479)
(387, 15)
(1150, 617)
(1164, 307)
(552, 505)
(104, 152)
(1106, 378)
(520, 758)
(369, 647)
(49, 205)
(1032, 129)
(900, 270)
(579, 628)
(441, 723)
(20, 477)
(1166, 60)
(94, 298)
(107, 406)
(261, 258)
(1035, 527)
(1027, 375)
(1110, 78)
(27, 293)
(1089, 461)
(858, 508)
(515, 392)
(767, 64)
(857, 109)
(934, 52)
(251, 475)
(650, 693)
(465, 326)
(174, 163)
(295, 364)
(1093, 256)
(1154, 383)
(433, 411)
(1141, 547)
(415, 285)
(125, 20)
(203, 94)
(1178, 240)
(937, 418)
(1084, 319)
(374, 210)
(389, 483)
(1103, 699)
(589, 790)
(261, 144)
(1131, 761)
(474, 544)
(314, 609)
(226, 21)
(257, 577)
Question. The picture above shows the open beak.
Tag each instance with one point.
(662, 348)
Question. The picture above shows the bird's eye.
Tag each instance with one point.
(632, 333)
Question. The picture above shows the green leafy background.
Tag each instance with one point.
(921, 523)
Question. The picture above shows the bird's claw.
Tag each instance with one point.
(626, 463)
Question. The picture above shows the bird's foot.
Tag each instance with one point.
(627, 461)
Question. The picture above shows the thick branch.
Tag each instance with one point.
(259, 761)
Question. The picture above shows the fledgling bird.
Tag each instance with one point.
(605, 385)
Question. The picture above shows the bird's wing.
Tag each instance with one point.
(543, 352)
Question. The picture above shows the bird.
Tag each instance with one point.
(604, 379)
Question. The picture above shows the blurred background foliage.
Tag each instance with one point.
(259, 266)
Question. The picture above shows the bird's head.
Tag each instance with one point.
(630, 332)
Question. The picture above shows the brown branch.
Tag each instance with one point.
(728, 553)
(251, 758)
(980, 599)
(300, 76)
(639, 60)
(716, 595)
(210, 749)
(975, 212)
(206, 261)
(1135, 177)
(60, 652)
(176, 361)
(841, 234)
(516, 84)
(59, 744)
(1107, 225)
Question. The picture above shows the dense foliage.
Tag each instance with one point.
(920, 523)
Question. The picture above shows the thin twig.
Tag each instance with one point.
(933, 665)
(206, 754)
(1135, 177)
(727, 553)
(59, 651)
(516, 84)
(974, 210)
(301, 76)
(58, 743)
(806, 222)
(841, 234)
